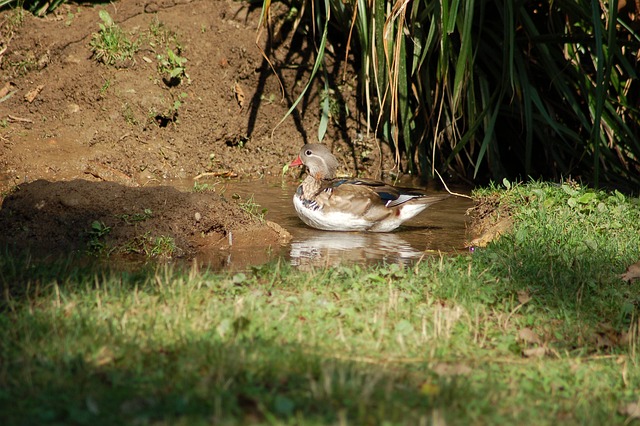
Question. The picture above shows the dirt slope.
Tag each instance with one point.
(67, 117)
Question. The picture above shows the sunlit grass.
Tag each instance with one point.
(536, 328)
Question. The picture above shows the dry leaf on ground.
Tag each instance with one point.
(523, 296)
(631, 410)
(633, 272)
(538, 352)
(33, 93)
(444, 369)
(528, 336)
(239, 94)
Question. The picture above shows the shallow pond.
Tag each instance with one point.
(439, 229)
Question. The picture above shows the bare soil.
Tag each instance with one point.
(84, 142)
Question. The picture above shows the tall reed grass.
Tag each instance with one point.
(37, 7)
(496, 88)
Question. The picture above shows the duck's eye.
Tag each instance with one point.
(308, 152)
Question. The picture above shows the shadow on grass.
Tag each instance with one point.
(579, 282)
(87, 360)
(202, 381)
(64, 364)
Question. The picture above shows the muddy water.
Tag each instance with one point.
(439, 229)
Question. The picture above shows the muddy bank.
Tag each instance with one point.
(109, 219)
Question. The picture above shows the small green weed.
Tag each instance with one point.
(269, 98)
(128, 115)
(251, 207)
(161, 36)
(172, 68)
(24, 66)
(171, 65)
(14, 19)
(130, 219)
(152, 247)
(177, 103)
(171, 114)
(111, 45)
(105, 86)
(162, 246)
(202, 187)
(97, 233)
(70, 18)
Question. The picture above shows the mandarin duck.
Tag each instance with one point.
(325, 202)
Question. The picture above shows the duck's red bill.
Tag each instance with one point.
(296, 162)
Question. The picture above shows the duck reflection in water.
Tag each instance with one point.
(335, 248)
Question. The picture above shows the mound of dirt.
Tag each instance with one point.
(107, 218)
(490, 219)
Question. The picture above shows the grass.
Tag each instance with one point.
(111, 45)
(251, 207)
(442, 341)
(162, 246)
(159, 247)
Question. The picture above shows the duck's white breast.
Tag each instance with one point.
(332, 221)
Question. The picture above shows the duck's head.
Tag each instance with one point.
(319, 161)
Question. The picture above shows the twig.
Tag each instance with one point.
(216, 174)
(447, 188)
(13, 118)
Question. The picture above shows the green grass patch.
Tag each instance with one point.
(111, 45)
(537, 328)
(251, 207)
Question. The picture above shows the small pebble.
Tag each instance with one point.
(198, 216)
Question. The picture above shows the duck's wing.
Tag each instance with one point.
(357, 200)
(380, 192)
(369, 199)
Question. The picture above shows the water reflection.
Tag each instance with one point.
(333, 248)
(441, 228)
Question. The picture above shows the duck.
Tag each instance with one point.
(326, 202)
